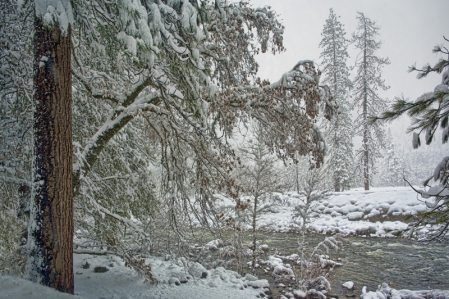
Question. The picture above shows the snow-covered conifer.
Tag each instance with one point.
(366, 86)
(338, 132)
(392, 170)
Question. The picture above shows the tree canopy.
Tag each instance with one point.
(158, 87)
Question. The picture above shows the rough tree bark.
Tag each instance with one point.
(50, 231)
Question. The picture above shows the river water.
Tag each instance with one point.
(403, 264)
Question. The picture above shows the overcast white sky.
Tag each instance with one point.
(409, 31)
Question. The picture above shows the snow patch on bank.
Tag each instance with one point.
(385, 292)
(118, 281)
(353, 212)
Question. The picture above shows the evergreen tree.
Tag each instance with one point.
(366, 85)
(393, 170)
(338, 132)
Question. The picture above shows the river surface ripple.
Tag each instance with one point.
(403, 264)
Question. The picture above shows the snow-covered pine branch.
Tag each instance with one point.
(428, 112)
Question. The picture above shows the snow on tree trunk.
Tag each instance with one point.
(50, 230)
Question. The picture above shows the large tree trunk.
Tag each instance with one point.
(50, 231)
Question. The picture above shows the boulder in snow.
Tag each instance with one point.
(349, 285)
(174, 280)
(260, 283)
(197, 270)
(250, 277)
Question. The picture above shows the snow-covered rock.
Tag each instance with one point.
(174, 280)
(197, 270)
(260, 283)
(214, 244)
(349, 285)
(385, 292)
(250, 277)
(299, 294)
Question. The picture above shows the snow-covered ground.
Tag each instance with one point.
(372, 213)
(173, 281)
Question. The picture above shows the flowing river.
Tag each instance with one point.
(403, 264)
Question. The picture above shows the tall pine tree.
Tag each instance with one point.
(338, 131)
(366, 86)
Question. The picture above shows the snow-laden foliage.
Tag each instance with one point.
(158, 87)
(15, 93)
(428, 112)
(393, 167)
(315, 267)
(16, 89)
(312, 192)
(119, 186)
(367, 83)
(11, 254)
(393, 170)
(187, 72)
(437, 202)
(338, 132)
(259, 178)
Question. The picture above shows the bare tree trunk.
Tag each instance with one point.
(297, 178)
(50, 231)
(337, 184)
(365, 124)
(254, 233)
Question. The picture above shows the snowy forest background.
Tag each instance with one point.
(169, 116)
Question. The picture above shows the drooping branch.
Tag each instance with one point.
(117, 119)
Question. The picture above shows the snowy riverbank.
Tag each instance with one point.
(380, 212)
(174, 281)
(119, 281)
